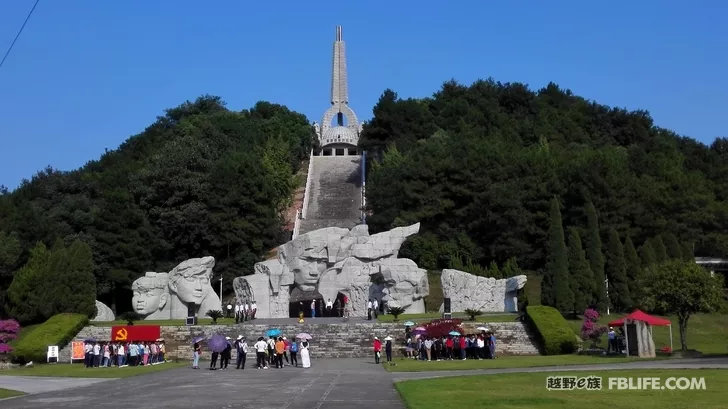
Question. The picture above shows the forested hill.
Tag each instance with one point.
(201, 180)
(478, 166)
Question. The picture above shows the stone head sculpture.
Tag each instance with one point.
(150, 293)
(306, 259)
(190, 280)
(404, 283)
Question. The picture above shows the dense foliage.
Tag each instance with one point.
(201, 180)
(59, 330)
(555, 335)
(479, 165)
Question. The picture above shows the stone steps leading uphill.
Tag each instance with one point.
(335, 193)
(343, 340)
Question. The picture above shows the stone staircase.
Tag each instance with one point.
(335, 193)
(342, 340)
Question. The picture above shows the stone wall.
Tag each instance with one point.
(350, 340)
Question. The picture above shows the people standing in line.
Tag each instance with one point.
(388, 348)
(287, 344)
(246, 311)
(96, 355)
(492, 345)
(237, 312)
(196, 352)
(449, 343)
(305, 358)
(321, 308)
(369, 310)
(225, 355)
(271, 351)
(280, 348)
(329, 306)
(339, 309)
(428, 348)
(375, 308)
(260, 348)
(377, 349)
(241, 348)
(254, 307)
(294, 353)
(313, 308)
(120, 355)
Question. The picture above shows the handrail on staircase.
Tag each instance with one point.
(307, 192)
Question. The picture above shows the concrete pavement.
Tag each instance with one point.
(40, 384)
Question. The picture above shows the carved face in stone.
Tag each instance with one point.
(150, 293)
(191, 283)
(306, 272)
(402, 287)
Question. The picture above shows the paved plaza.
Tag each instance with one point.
(329, 383)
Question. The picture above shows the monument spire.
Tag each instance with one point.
(340, 124)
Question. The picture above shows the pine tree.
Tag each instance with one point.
(511, 268)
(674, 251)
(69, 284)
(23, 297)
(494, 271)
(687, 251)
(634, 269)
(660, 250)
(594, 255)
(616, 268)
(647, 254)
(582, 279)
(557, 266)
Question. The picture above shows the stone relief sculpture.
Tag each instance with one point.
(103, 312)
(151, 296)
(468, 291)
(335, 260)
(159, 296)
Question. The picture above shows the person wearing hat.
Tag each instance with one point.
(388, 348)
(241, 347)
(612, 341)
(225, 355)
(377, 349)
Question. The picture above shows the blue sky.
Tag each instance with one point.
(87, 74)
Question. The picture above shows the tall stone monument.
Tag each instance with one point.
(333, 261)
(468, 291)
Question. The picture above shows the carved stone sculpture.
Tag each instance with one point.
(644, 341)
(190, 282)
(103, 312)
(467, 291)
(151, 297)
(333, 261)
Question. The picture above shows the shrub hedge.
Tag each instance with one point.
(58, 330)
(555, 335)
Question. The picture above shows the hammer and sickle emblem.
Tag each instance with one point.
(121, 334)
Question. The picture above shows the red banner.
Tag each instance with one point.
(135, 333)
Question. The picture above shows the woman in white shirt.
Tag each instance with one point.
(305, 359)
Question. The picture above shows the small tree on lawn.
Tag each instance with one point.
(682, 288)
(8, 331)
(396, 312)
(590, 330)
(214, 314)
(130, 317)
(472, 313)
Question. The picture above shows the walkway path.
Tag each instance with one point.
(328, 384)
(702, 363)
(40, 384)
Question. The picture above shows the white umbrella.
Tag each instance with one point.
(388, 338)
(482, 329)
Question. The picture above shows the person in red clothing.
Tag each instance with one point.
(377, 349)
(448, 347)
(463, 347)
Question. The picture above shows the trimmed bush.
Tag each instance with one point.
(58, 330)
(555, 335)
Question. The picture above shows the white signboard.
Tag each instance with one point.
(53, 353)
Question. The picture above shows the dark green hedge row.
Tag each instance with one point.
(58, 330)
(555, 335)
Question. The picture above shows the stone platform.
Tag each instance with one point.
(332, 338)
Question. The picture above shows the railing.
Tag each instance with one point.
(297, 224)
(307, 192)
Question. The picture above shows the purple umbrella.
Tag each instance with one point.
(217, 343)
(198, 339)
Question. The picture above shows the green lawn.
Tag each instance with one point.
(528, 390)
(426, 317)
(9, 393)
(707, 333)
(78, 370)
(411, 365)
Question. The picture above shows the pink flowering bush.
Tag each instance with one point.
(8, 331)
(590, 330)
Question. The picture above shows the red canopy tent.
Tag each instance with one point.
(638, 315)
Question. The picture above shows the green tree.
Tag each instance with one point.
(647, 254)
(687, 252)
(682, 288)
(494, 271)
(582, 279)
(672, 246)
(23, 298)
(557, 268)
(10, 251)
(616, 268)
(68, 285)
(660, 250)
(595, 257)
(511, 268)
(634, 269)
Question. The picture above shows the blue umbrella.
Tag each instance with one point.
(90, 340)
(409, 324)
(198, 339)
(454, 333)
(217, 343)
(273, 332)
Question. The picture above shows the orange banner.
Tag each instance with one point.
(77, 351)
(135, 333)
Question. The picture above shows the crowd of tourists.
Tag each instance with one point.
(268, 351)
(121, 354)
(444, 348)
